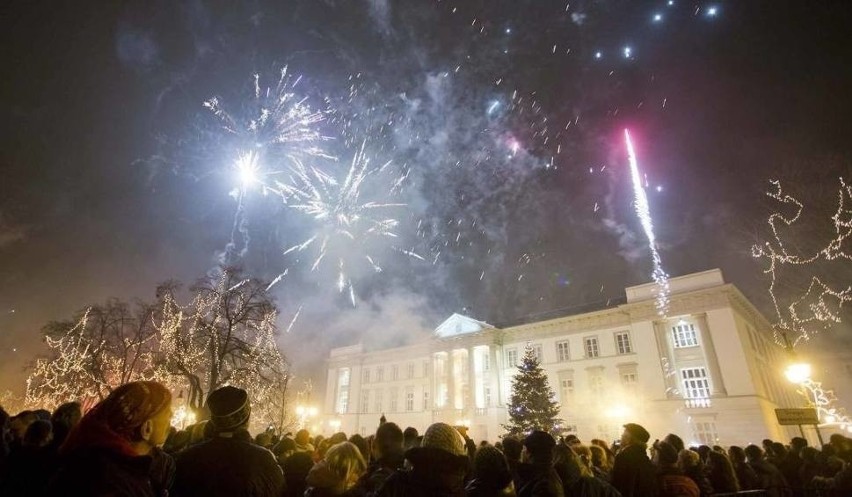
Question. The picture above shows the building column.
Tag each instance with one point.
(472, 387)
(493, 376)
(717, 384)
(667, 366)
(451, 380)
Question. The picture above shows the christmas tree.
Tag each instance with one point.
(531, 405)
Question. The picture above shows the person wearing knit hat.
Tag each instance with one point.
(491, 475)
(438, 466)
(536, 476)
(633, 472)
(228, 464)
(114, 448)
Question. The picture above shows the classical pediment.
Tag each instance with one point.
(460, 325)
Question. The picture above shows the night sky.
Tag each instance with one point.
(500, 114)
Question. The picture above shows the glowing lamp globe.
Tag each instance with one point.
(798, 372)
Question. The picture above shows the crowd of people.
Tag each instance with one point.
(125, 446)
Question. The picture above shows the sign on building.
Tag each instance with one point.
(797, 416)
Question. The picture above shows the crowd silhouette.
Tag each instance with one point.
(125, 446)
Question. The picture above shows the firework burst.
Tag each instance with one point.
(346, 220)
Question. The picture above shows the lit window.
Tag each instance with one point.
(622, 343)
(536, 350)
(367, 375)
(566, 389)
(486, 361)
(511, 358)
(629, 380)
(379, 407)
(365, 401)
(343, 390)
(596, 383)
(395, 372)
(696, 385)
(592, 349)
(486, 391)
(704, 432)
(380, 374)
(410, 370)
(426, 400)
(409, 400)
(562, 351)
(684, 335)
(394, 393)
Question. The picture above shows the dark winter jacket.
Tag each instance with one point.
(746, 477)
(770, 479)
(633, 474)
(590, 486)
(296, 469)
(28, 472)
(231, 467)
(696, 474)
(538, 480)
(434, 473)
(322, 482)
(99, 472)
(378, 472)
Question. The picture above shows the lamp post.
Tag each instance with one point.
(799, 373)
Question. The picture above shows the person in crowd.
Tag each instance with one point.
(689, 462)
(769, 477)
(18, 425)
(671, 480)
(28, 471)
(5, 435)
(633, 474)
(600, 464)
(113, 450)
(388, 450)
(361, 443)
(303, 441)
(791, 464)
(438, 466)
(536, 475)
(264, 439)
(675, 442)
(410, 437)
(746, 476)
(283, 449)
(228, 464)
(296, 469)
(491, 476)
(810, 466)
(577, 478)
(512, 448)
(721, 474)
(469, 444)
(338, 473)
(63, 420)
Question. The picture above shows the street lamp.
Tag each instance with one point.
(798, 373)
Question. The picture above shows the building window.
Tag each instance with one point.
(394, 393)
(486, 395)
(704, 432)
(410, 370)
(343, 390)
(592, 349)
(596, 383)
(511, 358)
(409, 400)
(536, 352)
(395, 372)
(379, 407)
(380, 373)
(696, 385)
(566, 390)
(365, 401)
(486, 361)
(622, 343)
(562, 351)
(684, 335)
(426, 405)
(366, 375)
(629, 381)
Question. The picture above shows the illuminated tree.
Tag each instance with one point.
(225, 336)
(531, 405)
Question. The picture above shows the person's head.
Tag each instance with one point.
(489, 465)
(568, 465)
(572, 441)
(360, 442)
(284, 448)
(599, 458)
(778, 450)
(753, 453)
(703, 450)
(675, 441)
(512, 448)
(133, 419)
(688, 459)
(634, 434)
(767, 445)
(736, 454)
(797, 444)
(389, 440)
(538, 448)
(718, 462)
(442, 449)
(409, 437)
(346, 462)
(839, 443)
(584, 453)
(809, 454)
(665, 455)
(303, 437)
(19, 423)
(337, 438)
(64, 418)
(230, 409)
(263, 439)
(38, 434)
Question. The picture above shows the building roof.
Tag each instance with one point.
(458, 324)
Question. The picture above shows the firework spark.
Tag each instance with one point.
(345, 222)
(643, 211)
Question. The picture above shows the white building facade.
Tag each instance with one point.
(708, 371)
